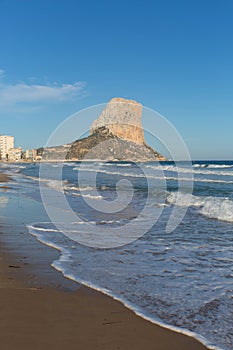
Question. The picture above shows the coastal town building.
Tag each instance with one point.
(31, 154)
(6, 143)
(15, 154)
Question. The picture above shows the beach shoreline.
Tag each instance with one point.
(41, 309)
(4, 178)
(78, 317)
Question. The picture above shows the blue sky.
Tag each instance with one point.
(175, 56)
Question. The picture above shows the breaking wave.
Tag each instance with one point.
(213, 207)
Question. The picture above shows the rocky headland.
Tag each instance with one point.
(116, 135)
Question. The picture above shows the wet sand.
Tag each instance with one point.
(37, 316)
(4, 178)
(42, 310)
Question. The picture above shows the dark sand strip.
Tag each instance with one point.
(4, 178)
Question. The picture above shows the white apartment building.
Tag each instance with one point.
(6, 143)
(15, 154)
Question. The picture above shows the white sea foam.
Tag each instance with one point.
(71, 164)
(217, 166)
(100, 170)
(161, 173)
(166, 177)
(86, 195)
(77, 188)
(196, 168)
(64, 187)
(56, 185)
(202, 170)
(136, 310)
(61, 266)
(214, 172)
(33, 228)
(200, 165)
(213, 207)
(173, 266)
(217, 208)
(116, 164)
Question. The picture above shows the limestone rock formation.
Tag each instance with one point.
(116, 135)
(123, 119)
(103, 145)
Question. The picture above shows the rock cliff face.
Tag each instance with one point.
(58, 153)
(123, 119)
(116, 135)
(103, 145)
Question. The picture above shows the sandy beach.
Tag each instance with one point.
(41, 315)
(40, 309)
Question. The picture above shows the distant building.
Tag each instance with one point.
(6, 143)
(31, 154)
(15, 154)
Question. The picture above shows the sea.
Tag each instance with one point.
(109, 220)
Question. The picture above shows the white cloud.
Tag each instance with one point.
(26, 97)
(23, 93)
